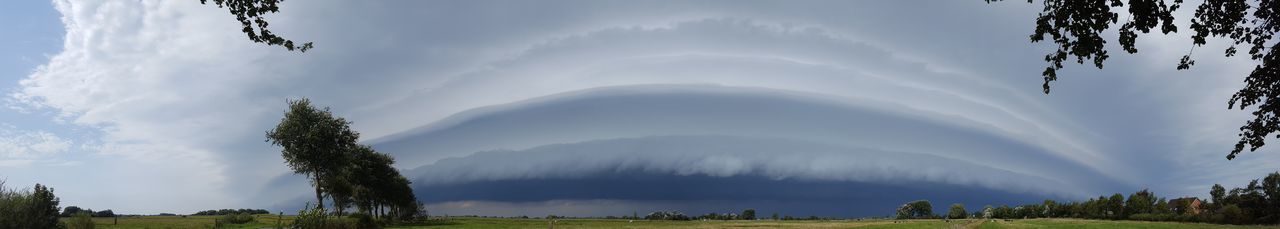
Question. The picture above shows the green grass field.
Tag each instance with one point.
(160, 222)
(269, 221)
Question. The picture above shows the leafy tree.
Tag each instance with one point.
(957, 212)
(749, 214)
(1076, 27)
(1115, 207)
(1003, 212)
(1139, 203)
(37, 208)
(315, 143)
(904, 212)
(1162, 207)
(915, 210)
(1096, 208)
(923, 208)
(1270, 187)
(252, 16)
(1234, 215)
(1030, 211)
(377, 184)
(44, 207)
(1217, 192)
(1049, 208)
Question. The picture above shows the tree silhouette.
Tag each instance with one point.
(323, 147)
(1075, 26)
(251, 14)
(314, 143)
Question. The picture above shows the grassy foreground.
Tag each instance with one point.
(269, 221)
(159, 222)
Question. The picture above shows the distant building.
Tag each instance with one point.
(1185, 205)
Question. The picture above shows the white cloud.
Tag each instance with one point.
(162, 88)
(17, 144)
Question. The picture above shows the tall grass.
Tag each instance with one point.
(80, 221)
(238, 218)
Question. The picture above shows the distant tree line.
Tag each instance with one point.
(747, 214)
(1256, 203)
(667, 215)
(233, 212)
(324, 148)
(73, 210)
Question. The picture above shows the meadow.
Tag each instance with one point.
(270, 221)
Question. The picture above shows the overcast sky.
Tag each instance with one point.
(834, 108)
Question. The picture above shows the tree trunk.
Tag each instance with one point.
(319, 198)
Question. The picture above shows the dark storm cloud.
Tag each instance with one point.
(701, 194)
(429, 80)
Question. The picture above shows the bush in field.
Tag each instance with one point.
(1232, 214)
(364, 221)
(28, 209)
(80, 221)
(309, 217)
(343, 224)
(315, 218)
(957, 212)
(1153, 217)
(240, 218)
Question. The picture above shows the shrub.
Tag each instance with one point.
(364, 221)
(1153, 217)
(28, 209)
(315, 218)
(80, 221)
(1191, 217)
(240, 218)
(957, 212)
(1232, 214)
(309, 217)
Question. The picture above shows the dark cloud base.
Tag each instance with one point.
(699, 193)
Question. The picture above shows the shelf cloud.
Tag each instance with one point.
(587, 102)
